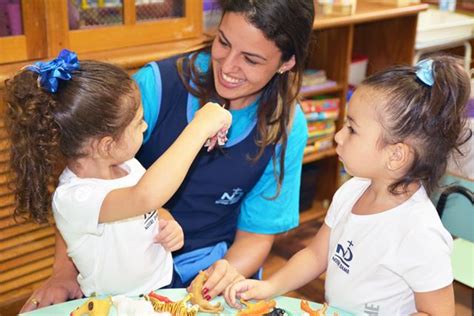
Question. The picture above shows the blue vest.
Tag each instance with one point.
(208, 201)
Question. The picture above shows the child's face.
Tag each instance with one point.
(132, 138)
(357, 141)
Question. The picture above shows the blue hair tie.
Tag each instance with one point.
(60, 68)
(424, 71)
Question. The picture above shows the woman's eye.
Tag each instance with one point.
(222, 42)
(250, 61)
(350, 129)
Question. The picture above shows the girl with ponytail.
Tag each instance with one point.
(87, 118)
(382, 245)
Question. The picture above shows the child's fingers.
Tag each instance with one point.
(174, 244)
(162, 223)
(212, 143)
(230, 295)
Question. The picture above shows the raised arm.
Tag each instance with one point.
(165, 176)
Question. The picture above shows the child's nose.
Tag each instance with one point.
(338, 137)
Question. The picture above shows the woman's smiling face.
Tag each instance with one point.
(243, 60)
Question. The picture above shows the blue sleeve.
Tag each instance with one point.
(148, 80)
(261, 215)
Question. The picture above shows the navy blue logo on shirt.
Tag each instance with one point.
(228, 199)
(342, 257)
(150, 218)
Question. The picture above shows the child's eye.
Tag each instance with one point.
(350, 129)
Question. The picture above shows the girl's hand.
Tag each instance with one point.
(247, 290)
(221, 274)
(213, 118)
(170, 235)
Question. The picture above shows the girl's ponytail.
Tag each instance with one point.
(449, 97)
(34, 149)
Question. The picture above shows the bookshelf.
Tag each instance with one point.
(383, 33)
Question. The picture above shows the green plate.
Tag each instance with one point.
(289, 304)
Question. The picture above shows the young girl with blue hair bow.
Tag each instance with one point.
(89, 116)
(382, 245)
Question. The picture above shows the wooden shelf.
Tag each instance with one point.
(318, 155)
(367, 12)
(316, 211)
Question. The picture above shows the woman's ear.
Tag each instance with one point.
(400, 156)
(287, 65)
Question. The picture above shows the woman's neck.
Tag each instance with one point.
(243, 102)
(377, 198)
(96, 168)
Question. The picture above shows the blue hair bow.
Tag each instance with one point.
(60, 68)
(424, 71)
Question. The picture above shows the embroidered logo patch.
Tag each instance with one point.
(228, 199)
(150, 218)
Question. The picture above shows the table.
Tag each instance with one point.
(291, 305)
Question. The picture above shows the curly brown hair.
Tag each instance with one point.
(433, 117)
(47, 130)
(288, 23)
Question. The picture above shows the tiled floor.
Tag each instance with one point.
(288, 244)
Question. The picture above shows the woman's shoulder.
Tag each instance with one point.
(299, 127)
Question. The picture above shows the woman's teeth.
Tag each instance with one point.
(230, 79)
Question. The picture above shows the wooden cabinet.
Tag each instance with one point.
(385, 34)
(50, 25)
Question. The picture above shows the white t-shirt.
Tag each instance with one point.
(112, 258)
(376, 262)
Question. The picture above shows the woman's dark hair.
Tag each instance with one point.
(288, 23)
(48, 129)
(431, 118)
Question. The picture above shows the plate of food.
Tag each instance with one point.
(178, 302)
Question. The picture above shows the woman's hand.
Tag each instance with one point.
(60, 287)
(220, 275)
(247, 290)
(170, 234)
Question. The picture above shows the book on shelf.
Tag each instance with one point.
(320, 109)
(313, 77)
(319, 145)
(320, 105)
(318, 87)
(319, 116)
(321, 128)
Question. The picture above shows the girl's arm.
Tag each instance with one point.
(165, 176)
(439, 302)
(305, 266)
